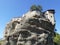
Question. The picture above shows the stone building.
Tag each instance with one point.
(49, 14)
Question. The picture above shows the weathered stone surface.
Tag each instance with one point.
(30, 29)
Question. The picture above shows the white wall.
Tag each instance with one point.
(50, 16)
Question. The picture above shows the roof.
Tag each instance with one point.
(51, 11)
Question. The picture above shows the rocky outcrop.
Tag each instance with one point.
(30, 29)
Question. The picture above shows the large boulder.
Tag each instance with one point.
(31, 29)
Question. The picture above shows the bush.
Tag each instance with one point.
(34, 7)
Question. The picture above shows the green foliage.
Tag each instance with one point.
(57, 39)
(34, 7)
(1, 41)
(39, 8)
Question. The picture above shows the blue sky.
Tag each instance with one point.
(15, 8)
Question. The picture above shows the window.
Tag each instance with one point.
(51, 16)
(46, 14)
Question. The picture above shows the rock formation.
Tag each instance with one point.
(33, 28)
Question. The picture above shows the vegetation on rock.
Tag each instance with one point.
(34, 7)
(57, 39)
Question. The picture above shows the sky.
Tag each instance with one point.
(16, 8)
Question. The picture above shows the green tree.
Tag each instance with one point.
(34, 7)
(57, 39)
(39, 7)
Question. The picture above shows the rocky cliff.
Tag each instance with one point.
(33, 28)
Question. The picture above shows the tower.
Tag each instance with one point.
(49, 14)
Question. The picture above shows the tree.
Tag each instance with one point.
(39, 7)
(57, 39)
(34, 7)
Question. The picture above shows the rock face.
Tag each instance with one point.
(33, 28)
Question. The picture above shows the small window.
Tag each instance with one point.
(46, 14)
(51, 16)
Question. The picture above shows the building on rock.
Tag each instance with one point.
(34, 28)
